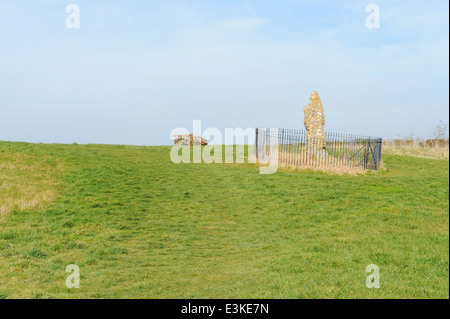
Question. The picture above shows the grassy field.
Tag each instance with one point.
(139, 226)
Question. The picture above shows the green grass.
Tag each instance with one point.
(139, 226)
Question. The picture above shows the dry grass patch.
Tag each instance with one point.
(321, 167)
(416, 148)
(337, 170)
(26, 182)
(26, 200)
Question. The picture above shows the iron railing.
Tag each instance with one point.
(293, 147)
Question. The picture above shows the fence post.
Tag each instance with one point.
(380, 145)
(256, 144)
(366, 153)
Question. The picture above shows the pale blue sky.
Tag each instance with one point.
(135, 70)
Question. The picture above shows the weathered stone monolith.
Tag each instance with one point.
(314, 124)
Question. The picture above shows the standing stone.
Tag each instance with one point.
(314, 124)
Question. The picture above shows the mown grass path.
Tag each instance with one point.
(139, 226)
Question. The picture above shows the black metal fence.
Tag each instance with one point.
(293, 147)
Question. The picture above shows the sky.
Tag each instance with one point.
(136, 70)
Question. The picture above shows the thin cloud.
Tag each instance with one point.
(243, 24)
